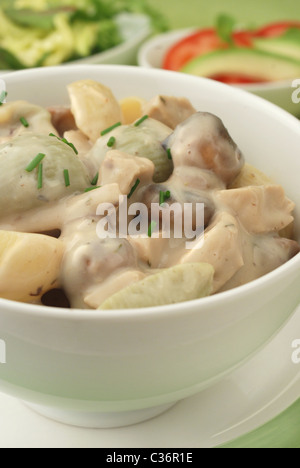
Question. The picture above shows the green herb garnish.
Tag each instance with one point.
(169, 154)
(35, 162)
(109, 129)
(24, 122)
(95, 179)
(134, 188)
(64, 140)
(111, 142)
(3, 95)
(139, 122)
(163, 196)
(67, 178)
(225, 27)
(40, 176)
(89, 189)
(151, 228)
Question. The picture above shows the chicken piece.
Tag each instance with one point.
(124, 170)
(94, 107)
(260, 209)
(169, 110)
(144, 141)
(89, 260)
(80, 141)
(221, 247)
(262, 254)
(62, 119)
(202, 141)
(38, 119)
(112, 285)
(153, 251)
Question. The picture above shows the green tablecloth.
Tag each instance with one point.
(284, 431)
(202, 12)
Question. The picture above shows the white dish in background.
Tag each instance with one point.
(107, 368)
(153, 51)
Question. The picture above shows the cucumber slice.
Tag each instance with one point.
(177, 284)
(252, 63)
(287, 45)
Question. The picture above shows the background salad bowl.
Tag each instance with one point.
(113, 368)
(152, 54)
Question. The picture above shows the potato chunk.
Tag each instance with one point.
(29, 265)
(94, 107)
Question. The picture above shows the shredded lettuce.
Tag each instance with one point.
(50, 32)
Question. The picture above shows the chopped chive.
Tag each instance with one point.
(95, 179)
(139, 122)
(163, 196)
(24, 122)
(134, 188)
(67, 178)
(64, 140)
(35, 162)
(89, 189)
(169, 154)
(151, 228)
(111, 142)
(40, 176)
(109, 129)
(2, 97)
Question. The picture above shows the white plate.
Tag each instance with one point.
(250, 397)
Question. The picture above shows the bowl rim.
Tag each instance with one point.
(178, 34)
(182, 308)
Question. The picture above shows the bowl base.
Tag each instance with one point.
(99, 420)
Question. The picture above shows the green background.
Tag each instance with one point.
(184, 13)
(283, 431)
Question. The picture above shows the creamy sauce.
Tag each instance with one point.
(241, 237)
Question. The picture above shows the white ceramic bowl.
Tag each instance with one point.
(152, 53)
(112, 368)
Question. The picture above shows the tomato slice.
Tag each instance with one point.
(200, 43)
(276, 29)
(192, 46)
(236, 79)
